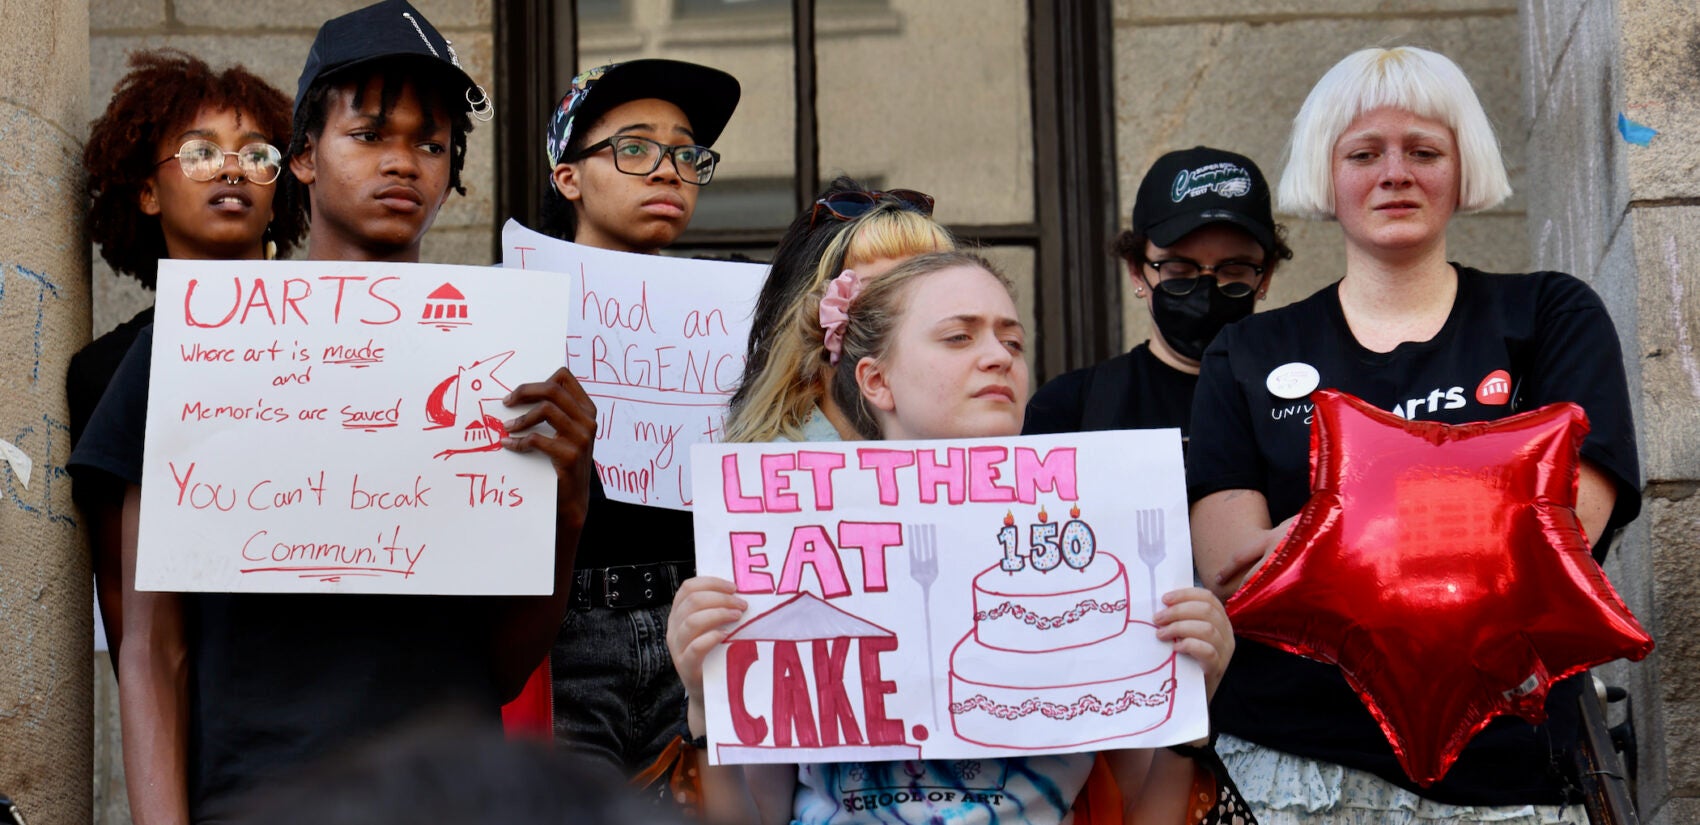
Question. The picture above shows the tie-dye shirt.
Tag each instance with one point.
(1031, 789)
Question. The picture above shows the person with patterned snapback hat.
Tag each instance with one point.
(628, 150)
(1201, 251)
(629, 147)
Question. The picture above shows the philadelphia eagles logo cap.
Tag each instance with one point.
(1196, 187)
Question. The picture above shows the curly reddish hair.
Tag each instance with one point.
(163, 91)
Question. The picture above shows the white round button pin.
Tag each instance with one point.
(1295, 379)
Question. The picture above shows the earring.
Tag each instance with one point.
(483, 108)
(1139, 292)
(271, 245)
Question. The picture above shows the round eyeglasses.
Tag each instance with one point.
(848, 206)
(1179, 276)
(635, 155)
(203, 160)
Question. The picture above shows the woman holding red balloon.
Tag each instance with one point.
(1391, 143)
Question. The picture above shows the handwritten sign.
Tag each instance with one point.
(335, 427)
(945, 599)
(659, 344)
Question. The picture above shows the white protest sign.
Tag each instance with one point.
(659, 344)
(335, 426)
(946, 599)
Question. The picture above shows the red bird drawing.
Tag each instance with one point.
(460, 399)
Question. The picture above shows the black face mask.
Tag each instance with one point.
(1190, 322)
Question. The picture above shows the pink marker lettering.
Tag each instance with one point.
(749, 568)
(775, 488)
(983, 474)
(812, 547)
(930, 475)
(1052, 474)
(736, 501)
(884, 463)
(873, 539)
(820, 467)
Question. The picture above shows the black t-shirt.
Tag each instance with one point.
(1134, 390)
(278, 681)
(93, 366)
(86, 379)
(617, 533)
(1511, 343)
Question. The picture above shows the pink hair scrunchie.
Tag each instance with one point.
(835, 310)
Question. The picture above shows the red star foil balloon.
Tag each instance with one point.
(1443, 568)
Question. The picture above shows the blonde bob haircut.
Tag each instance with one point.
(1415, 80)
(783, 396)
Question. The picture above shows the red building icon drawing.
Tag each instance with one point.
(445, 308)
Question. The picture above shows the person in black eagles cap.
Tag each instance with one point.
(1201, 252)
(223, 693)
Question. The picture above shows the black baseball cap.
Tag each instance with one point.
(706, 95)
(1196, 187)
(390, 29)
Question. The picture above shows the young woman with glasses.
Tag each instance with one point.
(629, 151)
(933, 348)
(1202, 250)
(180, 165)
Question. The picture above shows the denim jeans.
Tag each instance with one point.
(617, 698)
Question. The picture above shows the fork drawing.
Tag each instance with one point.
(924, 569)
(1152, 549)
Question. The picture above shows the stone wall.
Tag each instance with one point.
(1626, 218)
(44, 298)
(1232, 75)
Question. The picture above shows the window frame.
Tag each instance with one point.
(1077, 300)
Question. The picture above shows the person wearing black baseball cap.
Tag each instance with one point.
(1201, 251)
(376, 80)
(628, 149)
(222, 692)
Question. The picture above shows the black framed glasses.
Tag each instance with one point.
(848, 206)
(640, 156)
(1179, 276)
(202, 160)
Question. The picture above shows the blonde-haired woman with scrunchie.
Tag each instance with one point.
(783, 394)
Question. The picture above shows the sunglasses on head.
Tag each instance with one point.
(848, 206)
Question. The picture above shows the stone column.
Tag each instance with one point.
(44, 317)
(1612, 95)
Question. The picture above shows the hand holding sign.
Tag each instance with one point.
(338, 427)
(856, 560)
(704, 610)
(659, 343)
(563, 405)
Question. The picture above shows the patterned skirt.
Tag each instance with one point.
(1284, 789)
